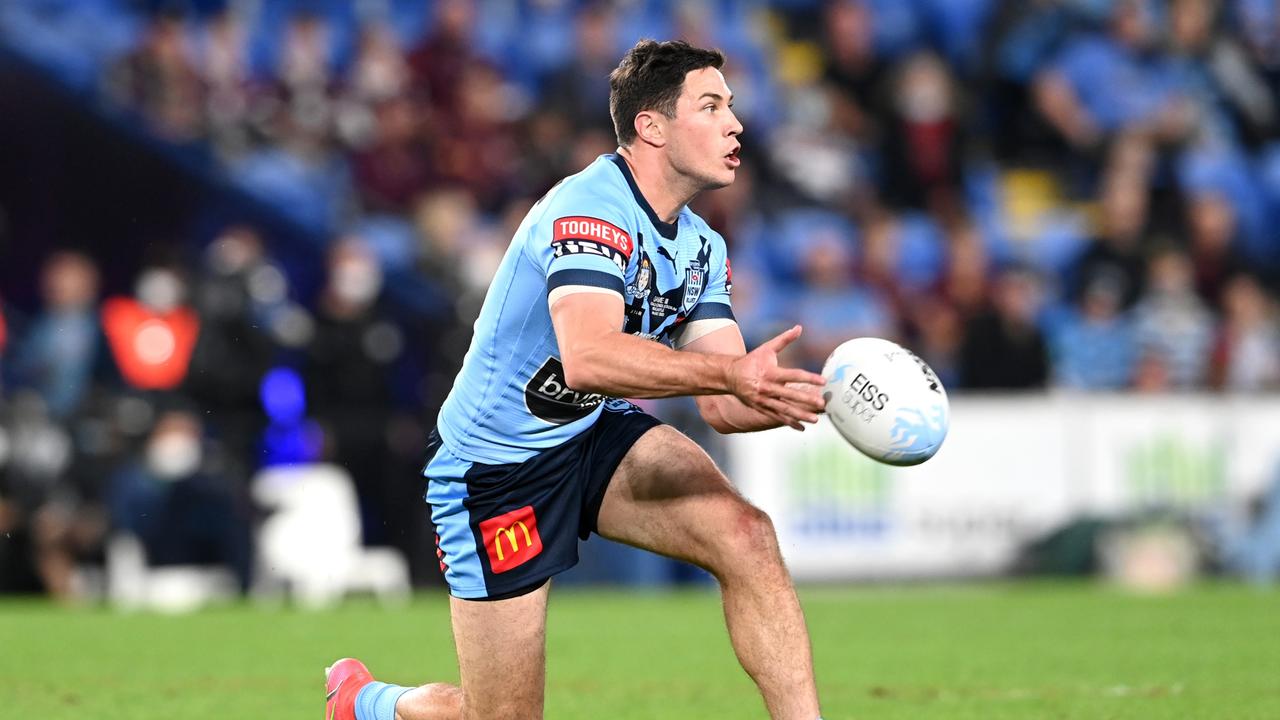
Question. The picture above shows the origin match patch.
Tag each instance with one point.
(594, 230)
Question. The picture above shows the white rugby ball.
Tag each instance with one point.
(886, 401)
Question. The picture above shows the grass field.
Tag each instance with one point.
(981, 651)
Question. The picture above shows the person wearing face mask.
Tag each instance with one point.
(924, 139)
(182, 513)
(152, 334)
(349, 372)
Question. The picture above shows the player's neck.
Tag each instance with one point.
(666, 190)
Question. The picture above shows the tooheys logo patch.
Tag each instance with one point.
(577, 234)
(550, 398)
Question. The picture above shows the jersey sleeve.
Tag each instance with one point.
(588, 246)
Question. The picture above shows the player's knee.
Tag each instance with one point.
(747, 537)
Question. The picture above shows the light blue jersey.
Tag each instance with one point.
(594, 232)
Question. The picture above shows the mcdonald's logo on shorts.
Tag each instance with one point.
(511, 539)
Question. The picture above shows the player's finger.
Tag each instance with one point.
(792, 412)
(783, 339)
(810, 400)
(796, 375)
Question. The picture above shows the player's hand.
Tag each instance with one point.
(788, 395)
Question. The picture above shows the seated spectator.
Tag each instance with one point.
(160, 80)
(179, 508)
(923, 139)
(1003, 348)
(1215, 254)
(1247, 354)
(59, 352)
(1116, 249)
(1104, 85)
(831, 308)
(1094, 347)
(1172, 326)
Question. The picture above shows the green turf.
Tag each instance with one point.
(995, 651)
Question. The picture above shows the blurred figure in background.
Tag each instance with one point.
(1172, 326)
(1211, 224)
(349, 378)
(160, 80)
(923, 141)
(1116, 249)
(1003, 347)
(1246, 357)
(152, 334)
(831, 308)
(59, 351)
(1094, 346)
(176, 501)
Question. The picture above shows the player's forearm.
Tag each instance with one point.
(621, 365)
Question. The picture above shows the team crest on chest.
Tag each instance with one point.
(695, 277)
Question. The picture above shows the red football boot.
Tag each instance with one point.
(342, 681)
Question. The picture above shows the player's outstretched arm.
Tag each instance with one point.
(728, 413)
(599, 357)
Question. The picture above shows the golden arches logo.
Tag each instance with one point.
(509, 532)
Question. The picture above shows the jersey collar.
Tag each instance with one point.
(666, 230)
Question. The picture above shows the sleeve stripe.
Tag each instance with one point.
(702, 328)
(590, 278)
(566, 290)
(711, 311)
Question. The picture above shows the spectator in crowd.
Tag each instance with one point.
(1116, 249)
(228, 81)
(440, 60)
(1231, 96)
(1211, 224)
(182, 511)
(1094, 347)
(1247, 354)
(1173, 327)
(160, 80)
(579, 90)
(1003, 348)
(152, 335)
(348, 377)
(830, 307)
(923, 140)
(396, 167)
(854, 73)
(60, 351)
(1140, 96)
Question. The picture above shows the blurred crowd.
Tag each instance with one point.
(1077, 194)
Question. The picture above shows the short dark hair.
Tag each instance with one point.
(650, 77)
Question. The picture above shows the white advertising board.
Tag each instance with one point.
(1011, 470)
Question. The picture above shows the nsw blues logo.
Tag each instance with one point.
(695, 277)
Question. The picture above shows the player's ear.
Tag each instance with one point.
(651, 128)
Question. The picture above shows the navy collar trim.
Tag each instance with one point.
(665, 229)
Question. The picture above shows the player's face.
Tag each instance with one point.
(703, 141)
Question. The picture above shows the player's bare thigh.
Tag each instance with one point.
(668, 496)
(502, 655)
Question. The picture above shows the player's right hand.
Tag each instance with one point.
(762, 384)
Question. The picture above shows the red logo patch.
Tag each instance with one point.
(511, 539)
(594, 230)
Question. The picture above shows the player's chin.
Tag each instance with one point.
(721, 177)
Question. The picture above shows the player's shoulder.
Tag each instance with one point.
(598, 188)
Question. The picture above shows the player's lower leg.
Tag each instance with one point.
(766, 624)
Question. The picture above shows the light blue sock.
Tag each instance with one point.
(377, 701)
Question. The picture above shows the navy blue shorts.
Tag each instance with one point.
(503, 529)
